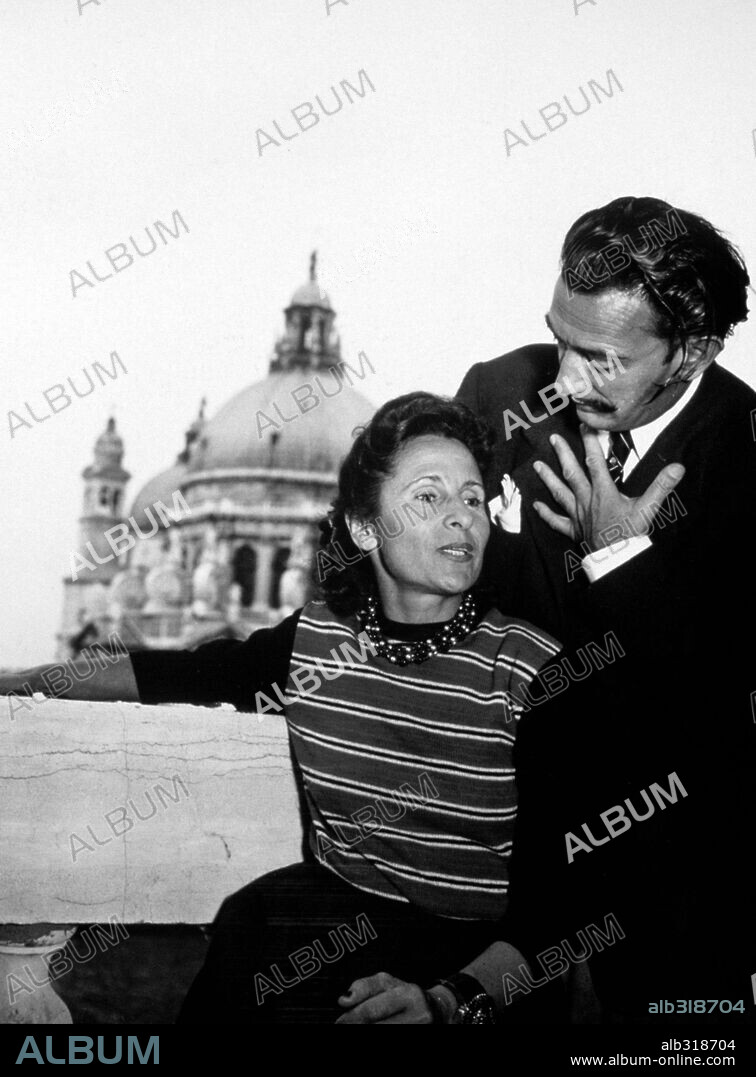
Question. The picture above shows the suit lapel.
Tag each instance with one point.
(687, 441)
(537, 551)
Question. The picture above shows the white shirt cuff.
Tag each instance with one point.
(608, 558)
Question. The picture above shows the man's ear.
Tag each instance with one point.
(363, 533)
(699, 354)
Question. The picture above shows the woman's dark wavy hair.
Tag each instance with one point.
(693, 277)
(369, 462)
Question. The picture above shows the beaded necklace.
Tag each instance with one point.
(402, 654)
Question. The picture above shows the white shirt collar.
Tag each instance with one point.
(645, 436)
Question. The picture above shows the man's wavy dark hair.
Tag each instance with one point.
(695, 279)
(369, 462)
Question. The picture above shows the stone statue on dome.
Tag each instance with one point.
(211, 577)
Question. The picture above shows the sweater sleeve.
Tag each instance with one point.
(222, 671)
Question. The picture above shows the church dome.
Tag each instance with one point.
(163, 486)
(160, 488)
(263, 427)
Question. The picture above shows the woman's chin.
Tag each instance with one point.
(461, 580)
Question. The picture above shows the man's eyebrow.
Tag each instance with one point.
(588, 353)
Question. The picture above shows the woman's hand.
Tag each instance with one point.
(384, 1000)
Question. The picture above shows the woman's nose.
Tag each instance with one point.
(459, 515)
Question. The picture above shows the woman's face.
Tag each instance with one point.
(432, 528)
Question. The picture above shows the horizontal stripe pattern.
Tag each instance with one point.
(408, 771)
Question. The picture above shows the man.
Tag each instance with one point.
(646, 297)
(623, 486)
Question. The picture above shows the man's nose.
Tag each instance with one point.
(573, 377)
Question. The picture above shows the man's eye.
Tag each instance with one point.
(475, 501)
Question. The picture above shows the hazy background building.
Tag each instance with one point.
(222, 540)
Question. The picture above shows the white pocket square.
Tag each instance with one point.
(505, 507)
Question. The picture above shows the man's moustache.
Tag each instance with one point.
(595, 405)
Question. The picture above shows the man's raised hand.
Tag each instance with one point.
(595, 510)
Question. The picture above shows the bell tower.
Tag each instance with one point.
(104, 485)
(85, 595)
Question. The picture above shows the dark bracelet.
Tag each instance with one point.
(474, 1004)
(435, 1008)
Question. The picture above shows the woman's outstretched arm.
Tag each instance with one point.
(91, 676)
(222, 671)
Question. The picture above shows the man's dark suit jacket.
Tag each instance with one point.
(697, 562)
(680, 883)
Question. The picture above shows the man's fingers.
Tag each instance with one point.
(571, 469)
(365, 988)
(649, 503)
(561, 493)
(559, 523)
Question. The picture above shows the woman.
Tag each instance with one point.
(404, 747)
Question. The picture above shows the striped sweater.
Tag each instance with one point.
(408, 771)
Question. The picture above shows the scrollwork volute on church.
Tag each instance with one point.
(211, 577)
(295, 581)
(128, 591)
(167, 584)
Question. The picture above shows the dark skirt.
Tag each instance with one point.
(287, 945)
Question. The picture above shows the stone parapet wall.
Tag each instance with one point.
(147, 814)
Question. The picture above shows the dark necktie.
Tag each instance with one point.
(620, 446)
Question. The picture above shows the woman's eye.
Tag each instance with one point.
(426, 495)
(476, 502)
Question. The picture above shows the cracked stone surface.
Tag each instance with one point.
(150, 814)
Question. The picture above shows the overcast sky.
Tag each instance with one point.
(438, 247)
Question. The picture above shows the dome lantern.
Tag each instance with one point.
(308, 341)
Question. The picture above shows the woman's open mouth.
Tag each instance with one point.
(458, 551)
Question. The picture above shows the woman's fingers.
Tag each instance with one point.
(378, 1007)
(372, 1011)
(402, 1003)
(365, 988)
